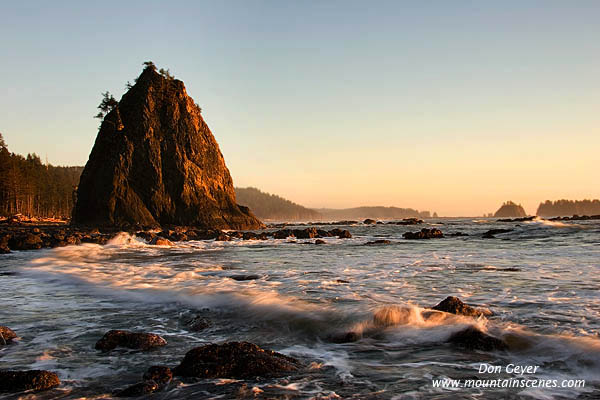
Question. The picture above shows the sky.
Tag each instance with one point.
(453, 107)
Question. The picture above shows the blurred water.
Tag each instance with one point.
(540, 280)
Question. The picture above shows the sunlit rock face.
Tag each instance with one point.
(156, 162)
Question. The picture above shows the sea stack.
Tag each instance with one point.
(156, 163)
(510, 210)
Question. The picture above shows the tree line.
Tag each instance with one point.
(568, 208)
(29, 187)
(271, 206)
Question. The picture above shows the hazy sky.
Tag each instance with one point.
(448, 106)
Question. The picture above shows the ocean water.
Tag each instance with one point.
(541, 281)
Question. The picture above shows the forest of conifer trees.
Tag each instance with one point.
(31, 188)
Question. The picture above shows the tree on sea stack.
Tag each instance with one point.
(155, 162)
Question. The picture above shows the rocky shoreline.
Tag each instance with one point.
(239, 360)
(51, 235)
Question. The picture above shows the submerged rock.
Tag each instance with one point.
(424, 233)
(490, 234)
(139, 389)
(234, 360)
(344, 337)
(454, 305)
(198, 323)
(320, 241)
(410, 221)
(6, 335)
(156, 162)
(19, 381)
(244, 277)
(159, 374)
(130, 340)
(379, 241)
(473, 339)
(341, 233)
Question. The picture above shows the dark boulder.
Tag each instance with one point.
(410, 221)
(198, 323)
(369, 221)
(223, 237)
(320, 241)
(283, 234)
(244, 277)
(6, 335)
(307, 233)
(492, 232)
(341, 233)
(424, 233)
(130, 340)
(139, 389)
(159, 374)
(472, 338)
(161, 241)
(28, 241)
(234, 360)
(378, 242)
(454, 305)
(156, 162)
(19, 381)
(344, 337)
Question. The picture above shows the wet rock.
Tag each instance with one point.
(424, 233)
(139, 389)
(320, 241)
(159, 374)
(198, 323)
(341, 233)
(223, 237)
(378, 241)
(234, 360)
(410, 221)
(523, 219)
(6, 335)
(4, 250)
(29, 241)
(369, 221)
(283, 234)
(19, 381)
(324, 233)
(72, 240)
(249, 236)
(454, 305)
(161, 241)
(473, 339)
(244, 277)
(307, 233)
(342, 281)
(492, 232)
(131, 340)
(345, 337)
(207, 234)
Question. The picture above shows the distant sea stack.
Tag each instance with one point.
(156, 163)
(510, 210)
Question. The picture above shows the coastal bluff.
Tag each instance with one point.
(155, 163)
